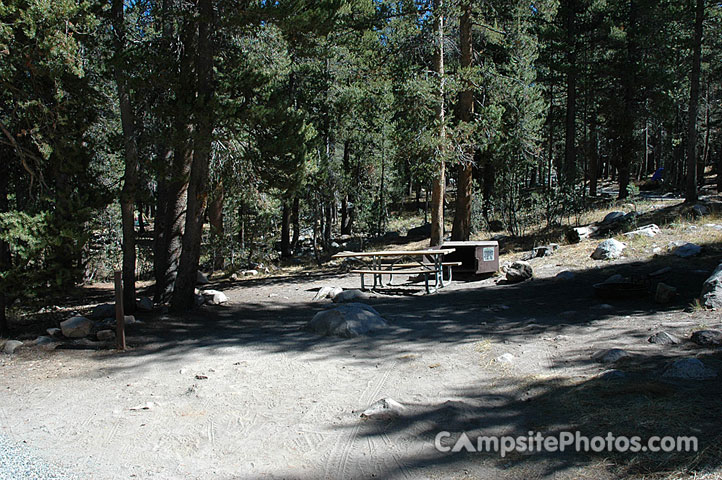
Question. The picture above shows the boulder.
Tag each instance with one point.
(612, 374)
(322, 293)
(12, 345)
(689, 368)
(544, 250)
(616, 278)
(348, 320)
(712, 290)
(45, 343)
(519, 271)
(350, 296)
(566, 275)
(664, 293)
(707, 338)
(612, 217)
(663, 338)
(214, 297)
(608, 250)
(685, 250)
(645, 231)
(610, 356)
(201, 278)
(76, 327)
(199, 300)
(576, 235)
(105, 335)
(384, 409)
(103, 310)
(144, 304)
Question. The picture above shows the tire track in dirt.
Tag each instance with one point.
(338, 459)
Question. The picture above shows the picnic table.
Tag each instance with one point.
(427, 262)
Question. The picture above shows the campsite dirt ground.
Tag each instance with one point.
(242, 391)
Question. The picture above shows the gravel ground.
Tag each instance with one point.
(19, 462)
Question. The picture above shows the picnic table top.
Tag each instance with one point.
(395, 253)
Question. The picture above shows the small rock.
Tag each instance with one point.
(685, 250)
(201, 278)
(199, 300)
(609, 249)
(103, 311)
(105, 335)
(519, 271)
(700, 210)
(350, 296)
(384, 409)
(214, 297)
(712, 290)
(322, 293)
(612, 374)
(145, 406)
(144, 304)
(249, 273)
(610, 356)
(11, 346)
(616, 278)
(707, 338)
(505, 358)
(54, 332)
(646, 231)
(689, 368)
(566, 275)
(664, 293)
(663, 338)
(76, 327)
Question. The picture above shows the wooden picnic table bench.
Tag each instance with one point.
(421, 266)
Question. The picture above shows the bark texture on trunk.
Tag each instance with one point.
(462, 214)
(439, 184)
(4, 258)
(183, 291)
(570, 151)
(215, 219)
(286, 229)
(130, 175)
(691, 187)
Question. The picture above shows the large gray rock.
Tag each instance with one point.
(144, 304)
(348, 320)
(612, 217)
(11, 346)
(349, 296)
(712, 290)
(76, 327)
(689, 368)
(609, 250)
(707, 338)
(519, 271)
(46, 343)
(700, 210)
(577, 234)
(103, 310)
(685, 250)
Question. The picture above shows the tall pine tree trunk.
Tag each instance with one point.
(570, 151)
(215, 219)
(179, 175)
(285, 229)
(296, 221)
(691, 190)
(462, 215)
(183, 291)
(4, 257)
(130, 176)
(439, 184)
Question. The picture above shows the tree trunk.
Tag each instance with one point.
(286, 230)
(691, 190)
(570, 152)
(593, 157)
(628, 115)
(183, 292)
(4, 257)
(462, 214)
(439, 184)
(296, 221)
(179, 175)
(215, 219)
(130, 176)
